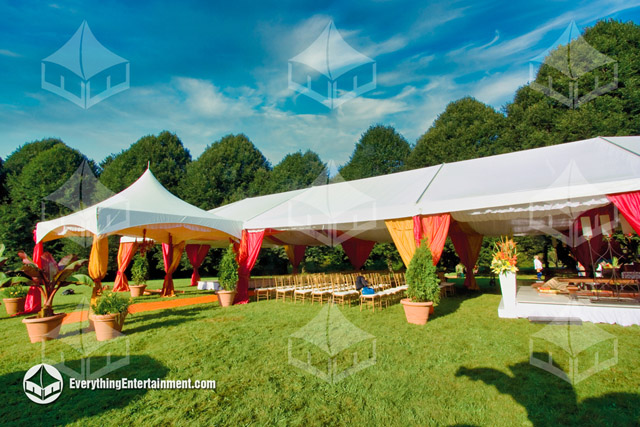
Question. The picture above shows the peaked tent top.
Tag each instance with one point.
(330, 55)
(84, 55)
(144, 208)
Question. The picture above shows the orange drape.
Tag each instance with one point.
(401, 231)
(126, 251)
(295, 253)
(171, 255)
(434, 228)
(468, 244)
(99, 259)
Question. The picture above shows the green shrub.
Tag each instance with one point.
(140, 270)
(228, 270)
(111, 303)
(422, 279)
(15, 291)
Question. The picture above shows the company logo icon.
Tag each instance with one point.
(331, 71)
(81, 343)
(333, 210)
(574, 341)
(42, 384)
(80, 191)
(572, 56)
(84, 71)
(337, 341)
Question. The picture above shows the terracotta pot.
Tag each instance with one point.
(225, 298)
(137, 290)
(14, 305)
(416, 312)
(108, 326)
(44, 329)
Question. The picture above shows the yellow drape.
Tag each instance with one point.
(401, 231)
(98, 263)
(99, 258)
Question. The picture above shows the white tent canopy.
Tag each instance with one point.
(525, 192)
(146, 209)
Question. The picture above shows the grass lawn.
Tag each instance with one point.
(465, 367)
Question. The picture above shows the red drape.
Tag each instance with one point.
(295, 253)
(434, 228)
(246, 255)
(33, 302)
(629, 206)
(468, 244)
(196, 255)
(358, 251)
(579, 246)
(126, 251)
(37, 251)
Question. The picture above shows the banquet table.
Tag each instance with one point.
(213, 285)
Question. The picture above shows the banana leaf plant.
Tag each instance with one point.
(53, 276)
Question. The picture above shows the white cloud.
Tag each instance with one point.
(7, 52)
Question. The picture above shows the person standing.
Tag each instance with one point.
(537, 264)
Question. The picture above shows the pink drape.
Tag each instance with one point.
(126, 251)
(295, 253)
(467, 244)
(246, 255)
(358, 251)
(196, 255)
(435, 229)
(629, 206)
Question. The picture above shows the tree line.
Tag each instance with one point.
(233, 168)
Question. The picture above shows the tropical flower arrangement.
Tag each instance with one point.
(505, 256)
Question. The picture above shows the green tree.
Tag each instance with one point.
(25, 153)
(165, 153)
(535, 119)
(224, 172)
(295, 171)
(3, 187)
(44, 173)
(380, 151)
(465, 130)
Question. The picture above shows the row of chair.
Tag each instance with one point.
(338, 288)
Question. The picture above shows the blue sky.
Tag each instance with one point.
(207, 69)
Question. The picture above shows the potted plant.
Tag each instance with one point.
(423, 286)
(139, 275)
(49, 279)
(13, 298)
(108, 314)
(228, 277)
(503, 263)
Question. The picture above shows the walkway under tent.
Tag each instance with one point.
(551, 190)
